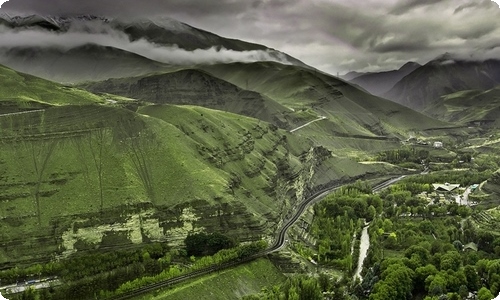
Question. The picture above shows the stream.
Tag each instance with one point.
(363, 251)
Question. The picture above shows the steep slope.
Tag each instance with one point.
(83, 63)
(349, 111)
(378, 83)
(470, 107)
(21, 92)
(194, 87)
(424, 87)
(78, 176)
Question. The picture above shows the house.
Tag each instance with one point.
(438, 145)
(447, 187)
(470, 246)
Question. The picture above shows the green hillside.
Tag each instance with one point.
(194, 87)
(82, 172)
(356, 119)
(470, 107)
(20, 92)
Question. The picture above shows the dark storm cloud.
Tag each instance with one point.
(405, 6)
(333, 35)
(126, 7)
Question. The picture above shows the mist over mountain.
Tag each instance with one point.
(163, 40)
(125, 143)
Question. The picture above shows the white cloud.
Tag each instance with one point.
(497, 2)
(109, 37)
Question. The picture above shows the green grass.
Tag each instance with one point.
(468, 106)
(25, 88)
(169, 169)
(195, 87)
(229, 284)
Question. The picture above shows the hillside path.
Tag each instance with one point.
(307, 124)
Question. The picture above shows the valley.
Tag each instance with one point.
(127, 176)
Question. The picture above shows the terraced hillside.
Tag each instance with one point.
(471, 107)
(96, 175)
(194, 87)
(357, 120)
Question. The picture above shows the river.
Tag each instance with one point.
(363, 251)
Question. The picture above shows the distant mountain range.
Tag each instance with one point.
(424, 86)
(381, 82)
(446, 88)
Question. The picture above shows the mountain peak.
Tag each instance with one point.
(411, 65)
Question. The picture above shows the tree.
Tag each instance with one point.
(472, 278)
(484, 294)
(451, 260)
(396, 283)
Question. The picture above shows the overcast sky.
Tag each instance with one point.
(332, 35)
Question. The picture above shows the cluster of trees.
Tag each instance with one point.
(338, 218)
(425, 257)
(221, 257)
(202, 243)
(86, 274)
(295, 288)
(404, 155)
(464, 178)
(104, 274)
(431, 272)
(402, 199)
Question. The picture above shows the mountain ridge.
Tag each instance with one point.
(423, 87)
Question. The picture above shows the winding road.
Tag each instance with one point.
(276, 246)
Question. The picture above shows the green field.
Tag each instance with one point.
(229, 284)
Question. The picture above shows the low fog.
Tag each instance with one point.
(75, 37)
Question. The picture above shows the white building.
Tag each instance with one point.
(438, 144)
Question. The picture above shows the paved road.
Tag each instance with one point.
(278, 244)
(21, 112)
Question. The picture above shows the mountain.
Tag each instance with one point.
(350, 111)
(423, 87)
(81, 171)
(351, 75)
(94, 44)
(378, 83)
(82, 63)
(195, 87)
(21, 92)
(470, 107)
